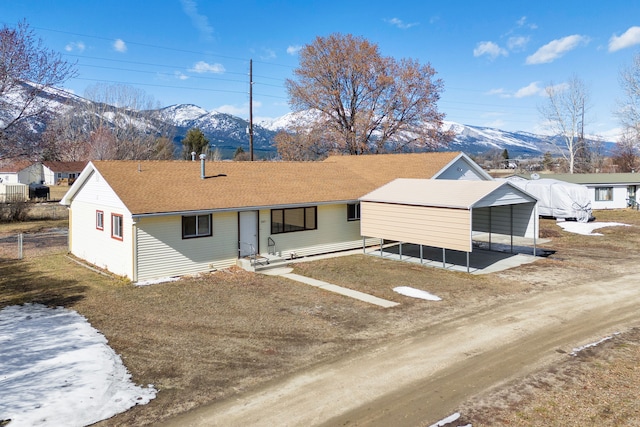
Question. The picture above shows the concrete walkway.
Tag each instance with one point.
(361, 296)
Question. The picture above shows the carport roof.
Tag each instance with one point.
(448, 193)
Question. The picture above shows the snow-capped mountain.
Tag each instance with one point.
(228, 132)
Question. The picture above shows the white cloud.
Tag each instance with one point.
(204, 67)
(517, 43)
(522, 22)
(400, 23)
(268, 54)
(490, 49)
(180, 76)
(500, 92)
(294, 49)
(240, 111)
(71, 46)
(201, 22)
(556, 49)
(531, 89)
(555, 89)
(629, 38)
(120, 46)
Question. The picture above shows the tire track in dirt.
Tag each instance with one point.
(427, 375)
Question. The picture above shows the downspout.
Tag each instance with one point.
(134, 250)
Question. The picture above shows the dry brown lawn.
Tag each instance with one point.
(208, 337)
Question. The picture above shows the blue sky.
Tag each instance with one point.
(495, 57)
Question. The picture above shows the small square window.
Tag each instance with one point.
(604, 194)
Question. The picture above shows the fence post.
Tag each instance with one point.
(20, 240)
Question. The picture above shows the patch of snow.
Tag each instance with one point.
(586, 228)
(56, 369)
(443, 422)
(577, 350)
(156, 281)
(416, 293)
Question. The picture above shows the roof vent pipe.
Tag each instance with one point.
(202, 157)
(193, 156)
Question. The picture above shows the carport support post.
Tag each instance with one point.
(400, 251)
(467, 262)
(511, 225)
(444, 260)
(421, 254)
(381, 245)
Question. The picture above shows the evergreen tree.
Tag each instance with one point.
(194, 141)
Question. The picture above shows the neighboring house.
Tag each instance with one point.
(153, 219)
(21, 172)
(61, 173)
(606, 190)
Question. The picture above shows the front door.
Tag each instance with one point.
(248, 226)
(631, 195)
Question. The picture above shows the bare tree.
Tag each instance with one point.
(626, 154)
(132, 118)
(564, 113)
(27, 71)
(628, 110)
(366, 102)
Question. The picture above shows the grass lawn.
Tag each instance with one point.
(208, 337)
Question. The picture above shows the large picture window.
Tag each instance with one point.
(293, 219)
(604, 194)
(116, 226)
(196, 226)
(353, 211)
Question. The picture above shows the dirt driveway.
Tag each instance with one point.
(428, 375)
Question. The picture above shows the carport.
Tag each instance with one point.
(446, 215)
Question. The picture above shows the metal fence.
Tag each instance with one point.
(28, 245)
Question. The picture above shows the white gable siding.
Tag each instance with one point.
(97, 246)
(334, 233)
(31, 174)
(460, 169)
(162, 252)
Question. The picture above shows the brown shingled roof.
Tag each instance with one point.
(175, 186)
(65, 166)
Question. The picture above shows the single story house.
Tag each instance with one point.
(61, 173)
(20, 172)
(606, 190)
(152, 219)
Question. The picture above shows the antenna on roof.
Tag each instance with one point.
(139, 169)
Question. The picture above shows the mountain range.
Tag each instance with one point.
(227, 132)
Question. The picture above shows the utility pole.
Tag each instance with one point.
(251, 110)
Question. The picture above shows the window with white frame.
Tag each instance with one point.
(116, 226)
(604, 194)
(353, 211)
(100, 220)
(196, 226)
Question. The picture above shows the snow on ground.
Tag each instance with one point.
(587, 228)
(56, 369)
(416, 293)
(157, 281)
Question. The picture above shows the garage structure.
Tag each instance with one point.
(445, 214)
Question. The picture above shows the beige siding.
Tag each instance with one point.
(162, 252)
(438, 227)
(334, 233)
